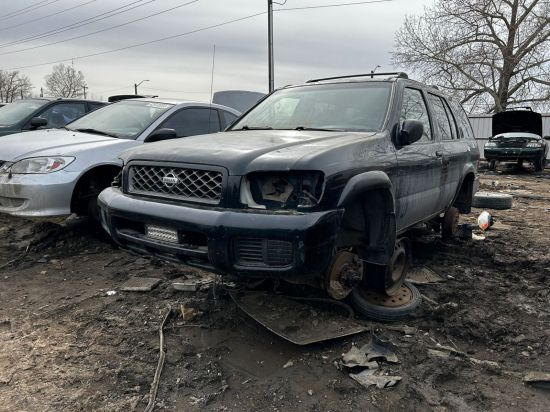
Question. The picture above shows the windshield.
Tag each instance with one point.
(357, 107)
(126, 119)
(19, 110)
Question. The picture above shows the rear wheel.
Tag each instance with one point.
(492, 164)
(449, 227)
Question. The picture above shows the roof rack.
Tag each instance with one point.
(401, 75)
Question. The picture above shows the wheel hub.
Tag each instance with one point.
(397, 268)
(346, 272)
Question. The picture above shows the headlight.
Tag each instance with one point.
(282, 190)
(38, 165)
(490, 144)
(5, 168)
(534, 144)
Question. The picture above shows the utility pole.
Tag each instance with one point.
(270, 43)
(86, 87)
(137, 84)
(41, 92)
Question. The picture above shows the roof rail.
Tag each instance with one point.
(401, 75)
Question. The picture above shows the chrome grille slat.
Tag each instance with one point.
(194, 185)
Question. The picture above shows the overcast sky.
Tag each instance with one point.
(308, 43)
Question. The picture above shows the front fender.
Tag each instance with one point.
(363, 182)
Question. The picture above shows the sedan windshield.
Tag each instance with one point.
(126, 119)
(359, 107)
(19, 110)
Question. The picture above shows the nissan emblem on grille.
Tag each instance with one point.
(193, 185)
(170, 180)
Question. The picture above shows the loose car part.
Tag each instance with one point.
(489, 200)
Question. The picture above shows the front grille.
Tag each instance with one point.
(263, 252)
(194, 185)
(512, 144)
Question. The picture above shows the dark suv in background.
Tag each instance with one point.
(316, 184)
(30, 114)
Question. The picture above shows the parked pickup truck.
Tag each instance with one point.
(316, 184)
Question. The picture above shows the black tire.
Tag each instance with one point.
(492, 164)
(383, 313)
(449, 227)
(490, 200)
(539, 164)
(387, 279)
(520, 164)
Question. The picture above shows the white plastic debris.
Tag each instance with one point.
(111, 292)
(485, 220)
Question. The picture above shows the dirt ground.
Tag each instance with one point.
(67, 344)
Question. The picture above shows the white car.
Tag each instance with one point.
(58, 172)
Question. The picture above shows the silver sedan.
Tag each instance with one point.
(57, 172)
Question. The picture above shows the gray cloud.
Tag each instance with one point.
(308, 43)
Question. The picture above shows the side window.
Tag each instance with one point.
(414, 108)
(464, 127)
(441, 117)
(95, 106)
(227, 118)
(60, 114)
(452, 119)
(193, 121)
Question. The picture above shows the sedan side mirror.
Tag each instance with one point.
(161, 134)
(546, 137)
(37, 122)
(411, 131)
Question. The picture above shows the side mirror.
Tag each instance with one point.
(546, 137)
(411, 131)
(37, 122)
(161, 134)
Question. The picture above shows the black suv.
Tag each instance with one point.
(31, 114)
(315, 185)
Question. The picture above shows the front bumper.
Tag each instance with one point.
(37, 195)
(300, 243)
(513, 153)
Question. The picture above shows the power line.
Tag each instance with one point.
(27, 9)
(185, 34)
(84, 22)
(102, 30)
(48, 15)
(324, 6)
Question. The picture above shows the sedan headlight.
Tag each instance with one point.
(282, 190)
(535, 145)
(490, 144)
(39, 165)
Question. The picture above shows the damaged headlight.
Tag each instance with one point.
(40, 165)
(282, 190)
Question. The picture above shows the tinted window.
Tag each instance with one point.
(227, 118)
(60, 114)
(126, 119)
(94, 106)
(19, 110)
(441, 118)
(343, 106)
(194, 121)
(464, 127)
(451, 118)
(414, 108)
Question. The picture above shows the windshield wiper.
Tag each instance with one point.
(317, 129)
(95, 131)
(245, 127)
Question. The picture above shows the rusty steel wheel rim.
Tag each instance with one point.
(402, 297)
(397, 270)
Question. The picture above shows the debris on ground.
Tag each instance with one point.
(370, 377)
(188, 313)
(139, 284)
(421, 275)
(485, 220)
(538, 379)
(192, 284)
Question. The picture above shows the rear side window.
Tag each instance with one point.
(443, 122)
(60, 114)
(414, 108)
(94, 106)
(464, 127)
(227, 118)
(193, 121)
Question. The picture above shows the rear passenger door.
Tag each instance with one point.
(453, 149)
(193, 121)
(59, 114)
(419, 167)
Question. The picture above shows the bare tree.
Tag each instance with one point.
(65, 81)
(489, 53)
(14, 85)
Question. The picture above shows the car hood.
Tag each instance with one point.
(523, 121)
(53, 142)
(253, 150)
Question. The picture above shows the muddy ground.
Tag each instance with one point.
(66, 344)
